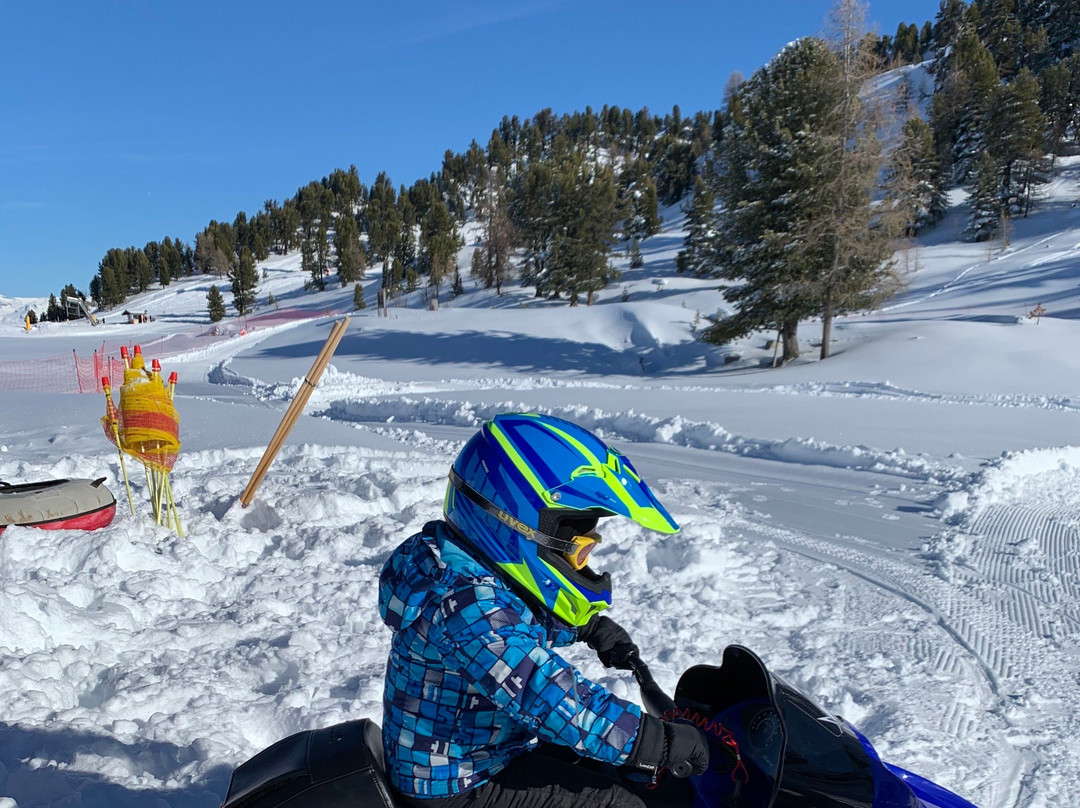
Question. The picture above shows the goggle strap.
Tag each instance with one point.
(530, 533)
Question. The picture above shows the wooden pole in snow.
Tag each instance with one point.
(297, 405)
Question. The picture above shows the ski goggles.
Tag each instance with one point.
(578, 558)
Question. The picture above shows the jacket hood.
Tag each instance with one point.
(421, 570)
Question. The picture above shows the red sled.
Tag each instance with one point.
(57, 504)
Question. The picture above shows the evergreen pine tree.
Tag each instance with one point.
(348, 250)
(1015, 127)
(926, 38)
(188, 259)
(985, 200)
(674, 158)
(998, 26)
(322, 250)
(439, 243)
(153, 253)
(458, 287)
(244, 280)
(358, 298)
(53, 313)
(383, 218)
(698, 255)
(1061, 19)
(772, 158)
(905, 45)
(309, 263)
(958, 108)
(798, 173)
(638, 202)
(916, 180)
(260, 247)
(95, 288)
(1058, 102)
(405, 247)
(215, 304)
(532, 209)
(585, 216)
(291, 233)
(397, 276)
(636, 260)
(170, 263)
(164, 274)
(143, 270)
(110, 276)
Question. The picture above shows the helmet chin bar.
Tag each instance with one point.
(530, 533)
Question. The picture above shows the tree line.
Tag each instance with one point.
(791, 194)
(559, 192)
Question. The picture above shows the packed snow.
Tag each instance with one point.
(895, 529)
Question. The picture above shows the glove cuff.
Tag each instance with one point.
(650, 746)
(587, 632)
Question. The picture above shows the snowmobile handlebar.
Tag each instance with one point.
(655, 700)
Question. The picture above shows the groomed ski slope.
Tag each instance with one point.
(896, 529)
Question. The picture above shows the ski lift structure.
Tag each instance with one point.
(76, 309)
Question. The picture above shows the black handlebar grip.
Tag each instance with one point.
(656, 702)
(654, 699)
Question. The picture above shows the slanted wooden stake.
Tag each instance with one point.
(291, 414)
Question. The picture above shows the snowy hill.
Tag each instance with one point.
(894, 529)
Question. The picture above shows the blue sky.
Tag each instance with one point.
(123, 122)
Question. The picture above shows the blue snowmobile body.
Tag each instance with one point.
(770, 747)
(773, 747)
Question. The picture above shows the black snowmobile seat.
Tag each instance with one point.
(335, 767)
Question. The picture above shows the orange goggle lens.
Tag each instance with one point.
(583, 546)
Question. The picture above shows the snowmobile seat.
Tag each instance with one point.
(334, 767)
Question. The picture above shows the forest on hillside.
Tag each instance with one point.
(792, 194)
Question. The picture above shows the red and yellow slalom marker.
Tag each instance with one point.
(146, 426)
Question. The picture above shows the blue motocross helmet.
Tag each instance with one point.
(527, 492)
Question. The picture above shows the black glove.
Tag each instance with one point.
(673, 745)
(610, 641)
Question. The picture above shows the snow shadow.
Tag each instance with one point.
(516, 352)
(1012, 290)
(30, 784)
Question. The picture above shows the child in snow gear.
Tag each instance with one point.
(479, 710)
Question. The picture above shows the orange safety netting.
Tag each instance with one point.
(60, 374)
(81, 374)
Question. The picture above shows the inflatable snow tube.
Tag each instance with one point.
(57, 504)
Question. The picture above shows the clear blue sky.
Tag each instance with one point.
(123, 122)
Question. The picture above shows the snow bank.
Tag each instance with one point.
(1046, 478)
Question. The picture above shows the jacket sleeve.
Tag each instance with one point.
(491, 645)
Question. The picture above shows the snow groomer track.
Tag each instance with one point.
(1004, 584)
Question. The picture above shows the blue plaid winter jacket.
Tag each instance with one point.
(472, 681)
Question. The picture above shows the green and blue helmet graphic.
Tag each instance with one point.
(519, 485)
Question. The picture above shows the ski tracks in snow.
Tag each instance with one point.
(1004, 679)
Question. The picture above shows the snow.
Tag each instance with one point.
(894, 529)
